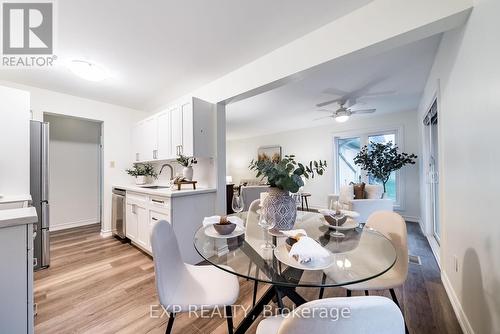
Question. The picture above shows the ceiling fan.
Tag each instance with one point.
(343, 114)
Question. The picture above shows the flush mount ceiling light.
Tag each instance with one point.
(88, 71)
(342, 116)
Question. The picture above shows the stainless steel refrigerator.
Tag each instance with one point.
(39, 187)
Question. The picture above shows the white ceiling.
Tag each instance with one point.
(402, 71)
(160, 49)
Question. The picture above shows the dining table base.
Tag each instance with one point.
(276, 293)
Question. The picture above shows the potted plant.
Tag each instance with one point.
(187, 163)
(141, 172)
(381, 159)
(285, 176)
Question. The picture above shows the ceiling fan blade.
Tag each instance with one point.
(322, 104)
(317, 119)
(363, 111)
(383, 93)
(326, 110)
(335, 91)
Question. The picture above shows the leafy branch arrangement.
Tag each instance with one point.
(287, 173)
(186, 161)
(380, 160)
(142, 170)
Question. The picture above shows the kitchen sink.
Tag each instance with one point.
(155, 187)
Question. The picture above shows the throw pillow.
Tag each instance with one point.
(359, 190)
(374, 191)
(346, 194)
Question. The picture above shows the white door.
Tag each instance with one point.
(431, 123)
(142, 226)
(131, 222)
(187, 129)
(164, 136)
(150, 139)
(176, 117)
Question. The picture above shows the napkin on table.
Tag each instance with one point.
(306, 249)
(216, 219)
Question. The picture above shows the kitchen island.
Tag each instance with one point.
(184, 209)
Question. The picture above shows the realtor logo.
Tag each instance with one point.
(27, 28)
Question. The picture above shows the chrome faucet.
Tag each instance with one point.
(171, 170)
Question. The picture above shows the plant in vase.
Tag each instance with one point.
(284, 176)
(381, 159)
(141, 172)
(187, 163)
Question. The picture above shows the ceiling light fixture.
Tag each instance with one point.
(88, 71)
(342, 116)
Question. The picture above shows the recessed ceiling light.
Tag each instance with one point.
(88, 71)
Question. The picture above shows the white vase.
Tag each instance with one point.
(187, 173)
(140, 179)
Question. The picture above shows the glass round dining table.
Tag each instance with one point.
(360, 255)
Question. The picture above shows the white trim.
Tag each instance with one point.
(77, 223)
(435, 248)
(457, 307)
(412, 219)
(106, 234)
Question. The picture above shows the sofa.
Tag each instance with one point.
(371, 202)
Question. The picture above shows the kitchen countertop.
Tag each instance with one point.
(165, 192)
(14, 217)
(15, 198)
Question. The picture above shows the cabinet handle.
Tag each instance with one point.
(157, 201)
(180, 149)
(155, 154)
(137, 157)
(155, 219)
(35, 262)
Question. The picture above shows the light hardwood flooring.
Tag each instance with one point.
(101, 285)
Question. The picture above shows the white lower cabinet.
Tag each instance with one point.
(185, 213)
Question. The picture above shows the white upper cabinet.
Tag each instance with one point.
(164, 135)
(150, 139)
(176, 114)
(187, 128)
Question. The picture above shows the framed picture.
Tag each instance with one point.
(272, 153)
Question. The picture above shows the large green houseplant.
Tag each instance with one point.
(285, 176)
(141, 171)
(381, 159)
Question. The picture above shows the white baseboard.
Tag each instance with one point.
(107, 233)
(435, 248)
(77, 223)
(457, 307)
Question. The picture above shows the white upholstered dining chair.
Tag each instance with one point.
(180, 285)
(393, 227)
(371, 314)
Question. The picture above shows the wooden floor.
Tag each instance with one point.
(101, 285)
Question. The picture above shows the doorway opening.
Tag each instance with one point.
(75, 171)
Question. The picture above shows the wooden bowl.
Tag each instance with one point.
(224, 229)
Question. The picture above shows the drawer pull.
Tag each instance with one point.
(158, 201)
(35, 262)
(155, 219)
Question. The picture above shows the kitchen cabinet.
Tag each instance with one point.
(164, 144)
(187, 127)
(185, 213)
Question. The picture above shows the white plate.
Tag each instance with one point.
(352, 214)
(350, 224)
(211, 232)
(281, 253)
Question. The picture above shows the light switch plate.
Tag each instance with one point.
(111, 164)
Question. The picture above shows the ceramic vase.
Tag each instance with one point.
(280, 208)
(187, 173)
(140, 179)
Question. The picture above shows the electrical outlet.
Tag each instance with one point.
(455, 263)
(111, 164)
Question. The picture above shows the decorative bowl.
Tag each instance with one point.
(224, 229)
(289, 242)
(330, 220)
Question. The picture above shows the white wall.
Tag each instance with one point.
(117, 125)
(14, 142)
(74, 148)
(467, 68)
(317, 143)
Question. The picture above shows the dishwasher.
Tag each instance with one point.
(118, 215)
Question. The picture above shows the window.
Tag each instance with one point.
(348, 146)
